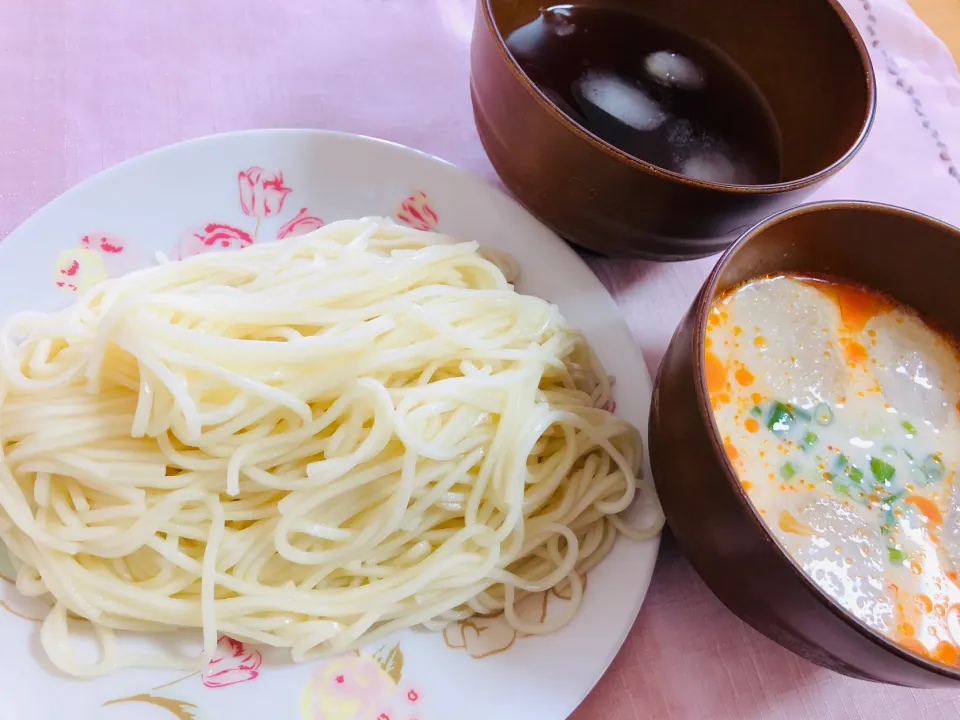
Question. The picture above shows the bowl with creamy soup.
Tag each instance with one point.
(805, 438)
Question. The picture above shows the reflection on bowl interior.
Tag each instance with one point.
(837, 408)
(660, 95)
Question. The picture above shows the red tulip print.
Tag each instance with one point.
(301, 224)
(261, 194)
(232, 664)
(416, 212)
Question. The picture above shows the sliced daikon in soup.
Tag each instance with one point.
(844, 554)
(789, 340)
(950, 537)
(916, 369)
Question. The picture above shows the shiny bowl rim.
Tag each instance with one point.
(701, 311)
(635, 163)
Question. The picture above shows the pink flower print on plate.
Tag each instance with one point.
(212, 236)
(78, 269)
(301, 224)
(347, 688)
(261, 194)
(416, 212)
(106, 244)
(96, 257)
(359, 687)
(232, 664)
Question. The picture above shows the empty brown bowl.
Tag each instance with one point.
(804, 56)
(708, 510)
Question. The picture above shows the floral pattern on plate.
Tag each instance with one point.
(97, 256)
(417, 212)
(361, 687)
(261, 196)
(483, 636)
(231, 664)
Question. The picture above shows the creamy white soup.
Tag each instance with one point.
(838, 407)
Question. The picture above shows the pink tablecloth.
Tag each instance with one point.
(84, 85)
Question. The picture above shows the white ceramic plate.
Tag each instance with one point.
(225, 192)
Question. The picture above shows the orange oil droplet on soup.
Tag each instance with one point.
(744, 376)
(715, 371)
(788, 523)
(751, 424)
(928, 508)
(857, 304)
(854, 352)
(946, 652)
(730, 449)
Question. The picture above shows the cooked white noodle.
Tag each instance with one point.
(305, 444)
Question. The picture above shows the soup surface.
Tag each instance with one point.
(657, 94)
(838, 407)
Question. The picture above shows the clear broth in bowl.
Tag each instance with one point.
(657, 94)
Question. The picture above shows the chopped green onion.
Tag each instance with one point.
(891, 499)
(756, 410)
(787, 471)
(823, 414)
(841, 488)
(882, 471)
(932, 467)
(810, 439)
(780, 419)
(849, 469)
(909, 427)
(896, 555)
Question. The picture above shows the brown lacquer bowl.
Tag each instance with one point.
(805, 56)
(909, 256)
